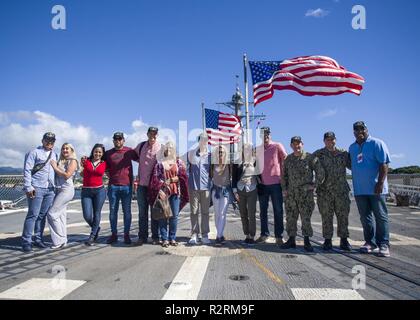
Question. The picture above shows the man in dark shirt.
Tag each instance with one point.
(120, 172)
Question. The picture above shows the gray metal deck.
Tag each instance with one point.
(207, 272)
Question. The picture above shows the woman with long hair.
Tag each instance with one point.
(169, 179)
(93, 191)
(221, 175)
(65, 169)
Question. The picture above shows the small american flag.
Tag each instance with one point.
(222, 128)
(309, 75)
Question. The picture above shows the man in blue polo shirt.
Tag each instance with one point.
(369, 164)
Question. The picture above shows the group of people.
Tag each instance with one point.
(208, 178)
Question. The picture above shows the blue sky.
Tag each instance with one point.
(119, 62)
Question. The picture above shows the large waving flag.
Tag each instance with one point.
(309, 75)
(222, 128)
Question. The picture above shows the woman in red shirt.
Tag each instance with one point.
(93, 192)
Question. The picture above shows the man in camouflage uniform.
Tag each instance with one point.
(298, 185)
(333, 194)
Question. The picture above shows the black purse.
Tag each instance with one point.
(39, 166)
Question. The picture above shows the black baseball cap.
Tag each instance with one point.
(329, 134)
(359, 124)
(266, 130)
(296, 139)
(49, 136)
(118, 135)
(152, 129)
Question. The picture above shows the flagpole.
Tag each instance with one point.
(246, 98)
(203, 117)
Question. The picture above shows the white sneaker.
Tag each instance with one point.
(57, 247)
(205, 240)
(384, 251)
(193, 240)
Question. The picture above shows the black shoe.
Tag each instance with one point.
(90, 241)
(307, 245)
(27, 248)
(218, 242)
(140, 242)
(345, 245)
(40, 244)
(112, 239)
(97, 234)
(327, 245)
(251, 242)
(127, 239)
(289, 244)
(223, 240)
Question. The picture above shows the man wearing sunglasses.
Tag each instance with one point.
(39, 184)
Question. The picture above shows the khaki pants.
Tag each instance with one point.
(199, 201)
(248, 208)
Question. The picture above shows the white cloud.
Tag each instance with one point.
(316, 13)
(398, 156)
(327, 113)
(22, 131)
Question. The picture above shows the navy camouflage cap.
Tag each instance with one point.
(296, 139)
(329, 135)
(359, 124)
(152, 129)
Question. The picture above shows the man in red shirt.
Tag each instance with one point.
(120, 172)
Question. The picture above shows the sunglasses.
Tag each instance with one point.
(118, 139)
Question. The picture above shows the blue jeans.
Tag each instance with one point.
(143, 205)
(92, 201)
(275, 192)
(374, 207)
(173, 221)
(37, 212)
(115, 194)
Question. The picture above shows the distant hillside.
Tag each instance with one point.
(405, 170)
(10, 171)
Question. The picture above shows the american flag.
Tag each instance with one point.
(309, 75)
(222, 128)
